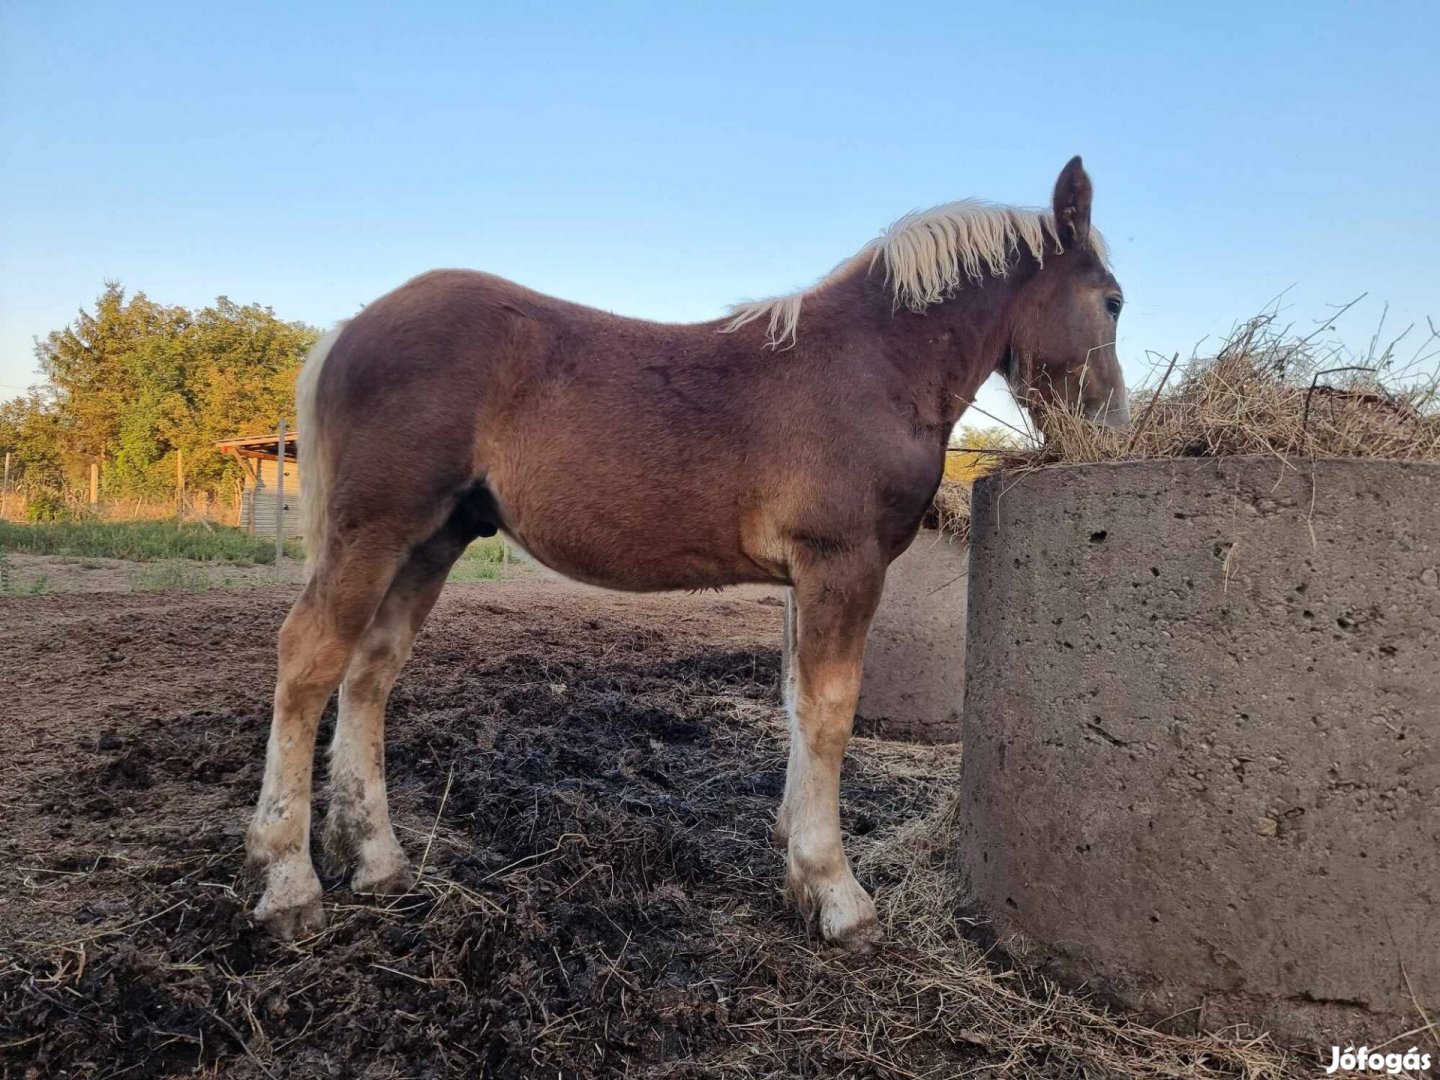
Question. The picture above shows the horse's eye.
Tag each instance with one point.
(1113, 305)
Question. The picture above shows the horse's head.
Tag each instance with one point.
(1063, 320)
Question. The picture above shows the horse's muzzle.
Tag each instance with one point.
(1113, 413)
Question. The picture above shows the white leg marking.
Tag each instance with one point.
(358, 824)
(279, 841)
(819, 876)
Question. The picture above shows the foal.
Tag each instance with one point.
(799, 442)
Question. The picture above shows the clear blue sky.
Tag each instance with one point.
(664, 160)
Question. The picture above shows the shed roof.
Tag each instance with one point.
(265, 447)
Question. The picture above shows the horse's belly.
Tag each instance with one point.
(616, 519)
(637, 563)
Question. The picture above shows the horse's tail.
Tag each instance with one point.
(314, 515)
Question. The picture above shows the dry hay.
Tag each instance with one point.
(1264, 392)
(950, 510)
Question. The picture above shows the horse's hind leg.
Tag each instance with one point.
(836, 599)
(357, 825)
(316, 643)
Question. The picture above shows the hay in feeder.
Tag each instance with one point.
(1262, 392)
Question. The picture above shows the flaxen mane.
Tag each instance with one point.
(928, 254)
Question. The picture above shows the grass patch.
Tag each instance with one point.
(481, 562)
(140, 541)
(13, 584)
(167, 574)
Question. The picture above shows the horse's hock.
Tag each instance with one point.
(1202, 737)
(914, 675)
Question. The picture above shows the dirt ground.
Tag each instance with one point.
(589, 781)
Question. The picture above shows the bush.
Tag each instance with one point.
(47, 506)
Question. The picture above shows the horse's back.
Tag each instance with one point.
(623, 452)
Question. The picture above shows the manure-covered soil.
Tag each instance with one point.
(588, 781)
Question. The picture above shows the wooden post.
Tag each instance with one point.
(280, 496)
(179, 485)
(247, 508)
(5, 487)
(94, 485)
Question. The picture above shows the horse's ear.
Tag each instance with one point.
(1072, 204)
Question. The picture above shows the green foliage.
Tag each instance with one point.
(30, 427)
(169, 574)
(481, 561)
(134, 383)
(967, 465)
(46, 506)
(141, 541)
(990, 437)
(490, 549)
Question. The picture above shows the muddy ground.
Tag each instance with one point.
(607, 769)
(590, 781)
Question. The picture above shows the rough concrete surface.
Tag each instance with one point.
(915, 655)
(1202, 737)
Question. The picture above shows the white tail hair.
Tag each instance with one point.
(314, 514)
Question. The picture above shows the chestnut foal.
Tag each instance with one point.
(798, 442)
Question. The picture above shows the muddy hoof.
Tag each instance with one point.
(289, 923)
(390, 880)
(864, 939)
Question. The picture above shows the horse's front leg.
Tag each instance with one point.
(835, 600)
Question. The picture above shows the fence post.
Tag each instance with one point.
(94, 485)
(179, 486)
(5, 487)
(280, 495)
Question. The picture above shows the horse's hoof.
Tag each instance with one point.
(291, 907)
(848, 919)
(292, 921)
(385, 875)
(843, 911)
(861, 939)
(395, 884)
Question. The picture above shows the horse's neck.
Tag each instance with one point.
(943, 354)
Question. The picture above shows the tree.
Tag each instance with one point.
(244, 362)
(134, 382)
(30, 429)
(967, 465)
(89, 370)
